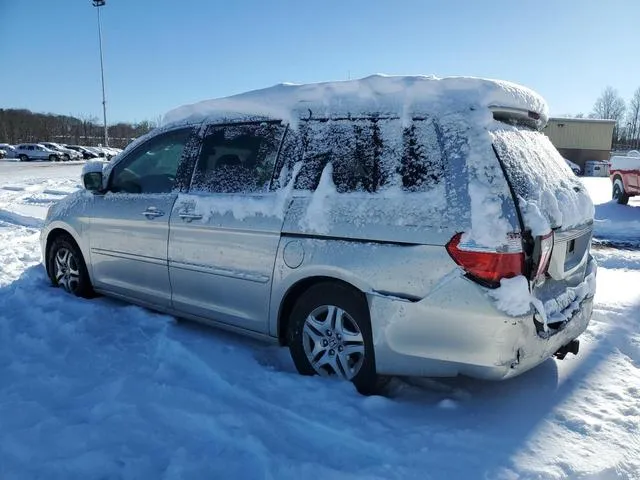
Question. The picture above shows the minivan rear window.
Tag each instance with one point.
(548, 191)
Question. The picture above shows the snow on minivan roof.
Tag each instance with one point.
(403, 96)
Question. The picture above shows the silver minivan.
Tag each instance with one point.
(378, 227)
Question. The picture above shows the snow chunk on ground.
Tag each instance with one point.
(394, 95)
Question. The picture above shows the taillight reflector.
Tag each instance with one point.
(546, 249)
(487, 267)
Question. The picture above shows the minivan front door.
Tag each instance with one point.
(130, 223)
(224, 234)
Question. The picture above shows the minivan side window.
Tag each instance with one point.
(422, 165)
(238, 158)
(152, 166)
(367, 155)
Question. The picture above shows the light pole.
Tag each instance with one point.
(98, 4)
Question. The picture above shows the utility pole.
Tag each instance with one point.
(98, 4)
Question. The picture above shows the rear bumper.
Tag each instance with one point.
(457, 330)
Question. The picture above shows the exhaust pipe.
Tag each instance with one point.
(572, 347)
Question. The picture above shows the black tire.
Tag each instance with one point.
(66, 158)
(366, 380)
(23, 158)
(82, 286)
(619, 195)
(53, 158)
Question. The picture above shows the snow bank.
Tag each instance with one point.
(102, 389)
(625, 163)
(402, 96)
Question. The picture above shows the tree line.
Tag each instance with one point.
(24, 126)
(611, 106)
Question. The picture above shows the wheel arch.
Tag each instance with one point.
(301, 286)
(59, 229)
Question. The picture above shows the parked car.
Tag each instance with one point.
(596, 168)
(66, 153)
(86, 153)
(574, 168)
(2, 153)
(100, 152)
(36, 151)
(624, 172)
(9, 150)
(372, 235)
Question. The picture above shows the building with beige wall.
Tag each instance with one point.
(581, 139)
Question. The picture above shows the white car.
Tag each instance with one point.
(575, 168)
(9, 150)
(36, 151)
(67, 153)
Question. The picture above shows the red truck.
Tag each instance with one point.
(625, 176)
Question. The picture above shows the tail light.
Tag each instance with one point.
(487, 266)
(542, 255)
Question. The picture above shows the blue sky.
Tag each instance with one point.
(163, 53)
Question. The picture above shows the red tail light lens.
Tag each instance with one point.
(483, 265)
(544, 257)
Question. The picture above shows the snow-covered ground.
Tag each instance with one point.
(617, 224)
(101, 389)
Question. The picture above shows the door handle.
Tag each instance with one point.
(187, 217)
(152, 212)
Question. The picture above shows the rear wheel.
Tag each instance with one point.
(66, 267)
(619, 195)
(22, 158)
(66, 157)
(53, 158)
(330, 334)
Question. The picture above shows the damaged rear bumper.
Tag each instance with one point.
(457, 330)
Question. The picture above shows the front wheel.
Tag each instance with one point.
(67, 269)
(22, 158)
(53, 158)
(330, 334)
(619, 195)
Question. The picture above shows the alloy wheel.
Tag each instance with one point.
(67, 272)
(333, 342)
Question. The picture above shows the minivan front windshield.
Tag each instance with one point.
(548, 193)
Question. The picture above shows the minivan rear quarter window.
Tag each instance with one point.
(367, 155)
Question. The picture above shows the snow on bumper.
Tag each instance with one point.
(459, 330)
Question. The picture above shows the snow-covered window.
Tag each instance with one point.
(421, 166)
(153, 166)
(238, 158)
(366, 154)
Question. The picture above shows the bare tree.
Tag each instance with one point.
(633, 119)
(610, 106)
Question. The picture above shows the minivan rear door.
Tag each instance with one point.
(550, 198)
(224, 234)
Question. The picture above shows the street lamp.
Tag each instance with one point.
(98, 4)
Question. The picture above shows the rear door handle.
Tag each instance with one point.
(187, 217)
(152, 212)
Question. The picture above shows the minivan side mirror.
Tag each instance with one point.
(92, 181)
(92, 177)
